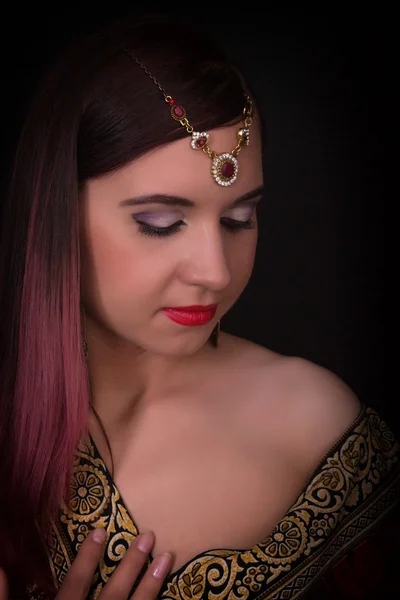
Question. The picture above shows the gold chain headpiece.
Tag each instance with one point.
(224, 167)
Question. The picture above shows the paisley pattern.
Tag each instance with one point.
(355, 485)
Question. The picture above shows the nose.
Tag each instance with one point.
(204, 261)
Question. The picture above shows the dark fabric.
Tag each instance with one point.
(370, 571)
(338, 541)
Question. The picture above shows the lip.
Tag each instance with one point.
(194, 308)
(191, 316)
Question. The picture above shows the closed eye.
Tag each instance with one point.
(149, 230)
(232, 225)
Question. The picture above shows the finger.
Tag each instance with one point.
(121, 582)
(153, 579)
(3, 586)
(77, 583)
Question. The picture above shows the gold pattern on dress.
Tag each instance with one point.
(354, 486)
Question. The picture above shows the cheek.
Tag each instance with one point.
(109, 269)
(242, 260)
(119, 268)
(107, 260)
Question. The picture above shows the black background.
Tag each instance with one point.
(317, 288)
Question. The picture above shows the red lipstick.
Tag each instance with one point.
(191, 316)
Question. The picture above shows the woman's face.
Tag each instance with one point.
(141, 255)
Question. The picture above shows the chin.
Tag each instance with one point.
(180, 346)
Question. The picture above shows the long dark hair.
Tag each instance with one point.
(95, 111)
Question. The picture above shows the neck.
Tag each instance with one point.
(125, 377)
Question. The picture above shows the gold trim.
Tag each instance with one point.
(354, 486)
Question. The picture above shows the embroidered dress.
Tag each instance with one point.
(320, 544)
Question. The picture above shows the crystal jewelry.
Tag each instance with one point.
(224, 167)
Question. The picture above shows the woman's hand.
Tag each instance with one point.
(79, 578)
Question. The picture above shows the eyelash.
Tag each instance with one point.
(231, 225)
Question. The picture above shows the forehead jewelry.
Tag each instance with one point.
(225, 166)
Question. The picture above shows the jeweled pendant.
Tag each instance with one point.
(244, 136)
(199, 140)
(177, 112)
(225, 169)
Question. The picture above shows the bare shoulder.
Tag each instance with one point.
(309, 406)
(316, 396)
(316, 407)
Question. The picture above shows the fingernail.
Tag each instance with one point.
(99, 535)
(161, 565)
(145, 542)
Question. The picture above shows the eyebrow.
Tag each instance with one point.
(178, 201)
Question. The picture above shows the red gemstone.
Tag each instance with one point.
(227, 169)
(178, 111)
(171, 101)
(201, 142)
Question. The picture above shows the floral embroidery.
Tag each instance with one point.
(255, 577)
(87, 493)
(322, 527)
(355, 485)
(285, 542)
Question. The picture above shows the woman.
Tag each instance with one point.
(216, 467)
